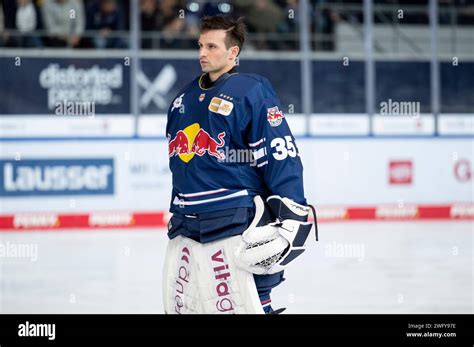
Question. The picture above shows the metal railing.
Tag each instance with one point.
(324, 19)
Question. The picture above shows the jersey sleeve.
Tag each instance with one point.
(275, 154)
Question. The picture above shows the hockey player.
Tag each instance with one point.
(236, 224)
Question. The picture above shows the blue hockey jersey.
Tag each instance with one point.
(228, 143)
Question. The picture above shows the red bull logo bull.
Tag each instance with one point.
(178, 145)
(193, 140)
(274, 116)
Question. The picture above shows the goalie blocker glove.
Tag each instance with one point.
(276, 236)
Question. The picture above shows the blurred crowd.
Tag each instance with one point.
(174, 24)
(63, 23)
(167, 24)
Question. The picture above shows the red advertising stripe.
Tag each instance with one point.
(434, 212)
(6, 222)
(366, 213)
(150, 219)
(73, 221)
(159, 219)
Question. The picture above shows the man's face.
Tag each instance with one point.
(108, 6)
(213, 54)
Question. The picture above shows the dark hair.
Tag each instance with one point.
(235, 29)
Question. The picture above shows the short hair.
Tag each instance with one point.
(236, 30)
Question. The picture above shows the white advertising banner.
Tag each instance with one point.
(77, 176)
(47, 126)
(398, 171)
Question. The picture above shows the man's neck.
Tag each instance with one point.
(213, 76)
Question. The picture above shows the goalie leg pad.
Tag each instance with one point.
(180, 292)
(203, 278)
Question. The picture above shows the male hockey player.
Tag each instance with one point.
(236, 224)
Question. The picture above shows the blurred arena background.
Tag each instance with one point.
(379, 94)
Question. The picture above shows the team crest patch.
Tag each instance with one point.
(177, 102)
(201, 97)
(274, 116)
(221, 106)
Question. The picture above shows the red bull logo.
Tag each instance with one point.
(274, 116)
(193, 140)
(178, 145)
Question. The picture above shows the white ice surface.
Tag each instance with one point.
(356, 267)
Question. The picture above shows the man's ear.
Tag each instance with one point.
(235, 52)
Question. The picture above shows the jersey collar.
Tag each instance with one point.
(206, 83)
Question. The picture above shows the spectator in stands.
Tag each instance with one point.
(176, 29)
(27, 20)
(324, 26)
(466, 12)
(8, 11)
(289, 25)
(168, 23)
(149, 17)
(105, 16)
(192, 29)
(64, 22)
(3, 34)
(262, 16)
(177, 26)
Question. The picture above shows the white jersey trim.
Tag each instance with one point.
(192, 195)
(178, 201)
(260, 153)
(255, 144)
